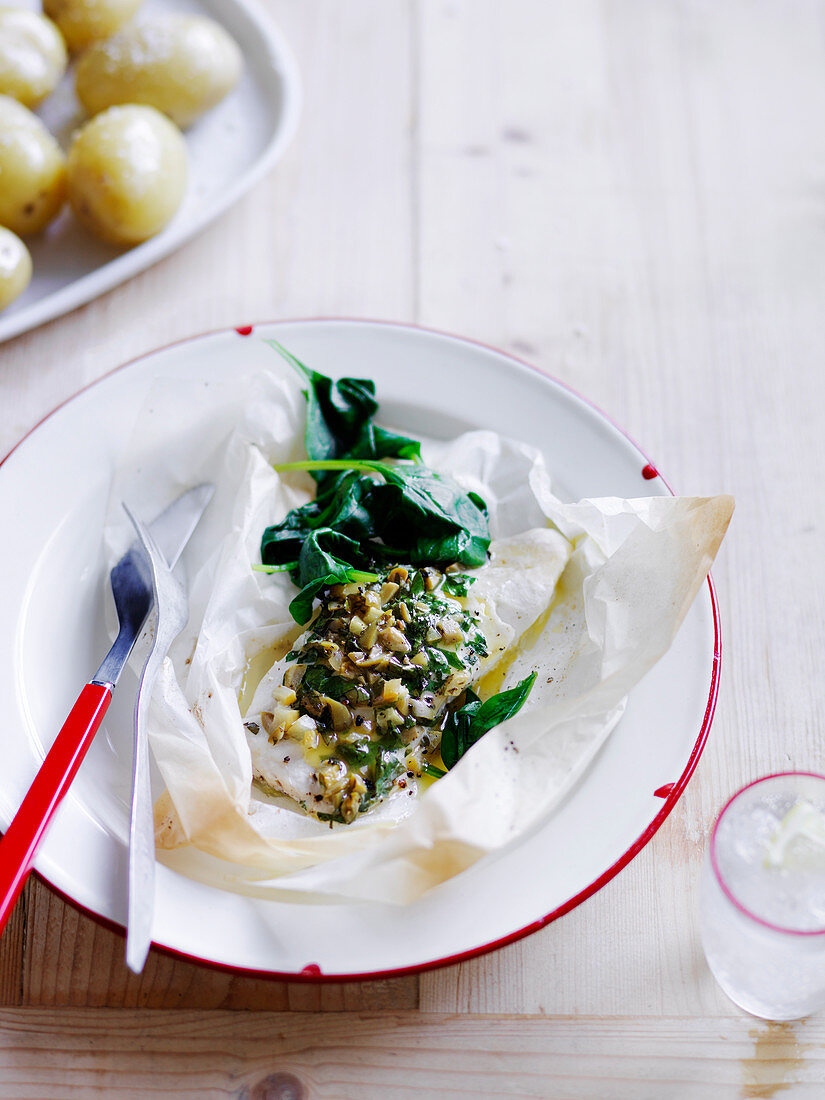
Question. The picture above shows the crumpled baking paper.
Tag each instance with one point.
(629, 572)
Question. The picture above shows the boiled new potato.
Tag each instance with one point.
(32, 55)
(32, 170)
(82, 22)
(180, 64)
(15, 267)
(127, 173)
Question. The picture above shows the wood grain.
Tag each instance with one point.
(630, 196)
(647, 185)
(56, 956)
(298, 1056)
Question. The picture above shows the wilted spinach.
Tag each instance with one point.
(468, 724)
(367, 513)
(339, 418)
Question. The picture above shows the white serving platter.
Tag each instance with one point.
(53, 495)
(230, 148)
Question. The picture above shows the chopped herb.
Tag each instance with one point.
(452, 659)
(438, 669)
(358, 752)
(478, 644)
(336, 817)
(325, 682)
(458, 584)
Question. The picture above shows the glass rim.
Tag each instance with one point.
(720, 878)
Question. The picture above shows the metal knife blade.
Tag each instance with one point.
(131, 578)
(172, 614)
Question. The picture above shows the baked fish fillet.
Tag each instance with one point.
(354, 712)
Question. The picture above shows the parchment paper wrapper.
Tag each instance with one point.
(629, 571)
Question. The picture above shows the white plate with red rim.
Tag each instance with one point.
(53, 493)
(230, 148)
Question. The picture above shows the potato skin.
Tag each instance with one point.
(32, 170)
(126, 173)
(82, 22)
(32, 55)
(15, 267)
(180, 64)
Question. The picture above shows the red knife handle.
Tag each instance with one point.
(18, 846)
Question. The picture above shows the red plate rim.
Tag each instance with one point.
(674, 790)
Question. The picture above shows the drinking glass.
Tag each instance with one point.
(762, 897)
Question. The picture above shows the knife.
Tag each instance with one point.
(132, 591)
(172, 613)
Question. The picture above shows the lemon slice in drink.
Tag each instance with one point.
(799, 842)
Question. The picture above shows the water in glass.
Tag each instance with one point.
(762, 897)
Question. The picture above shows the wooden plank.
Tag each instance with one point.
(296, 1056)
(71, 960)
(625, 195)
(12, 950)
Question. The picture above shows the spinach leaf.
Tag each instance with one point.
(300, 608)
(336, 411)
(328, 552)
(319, 567)
(366, 510)
(339, 418)
(419, 516)
(385, 444)
(431, 516)
(282, 542)
(469, 724)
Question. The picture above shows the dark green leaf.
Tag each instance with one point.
(469, 724)
(327, 553)
(301, 606)
(366, 509)
(339, 418)
(391, 445)
(432, 515)
(320, 566)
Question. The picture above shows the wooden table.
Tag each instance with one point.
(632, 196)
